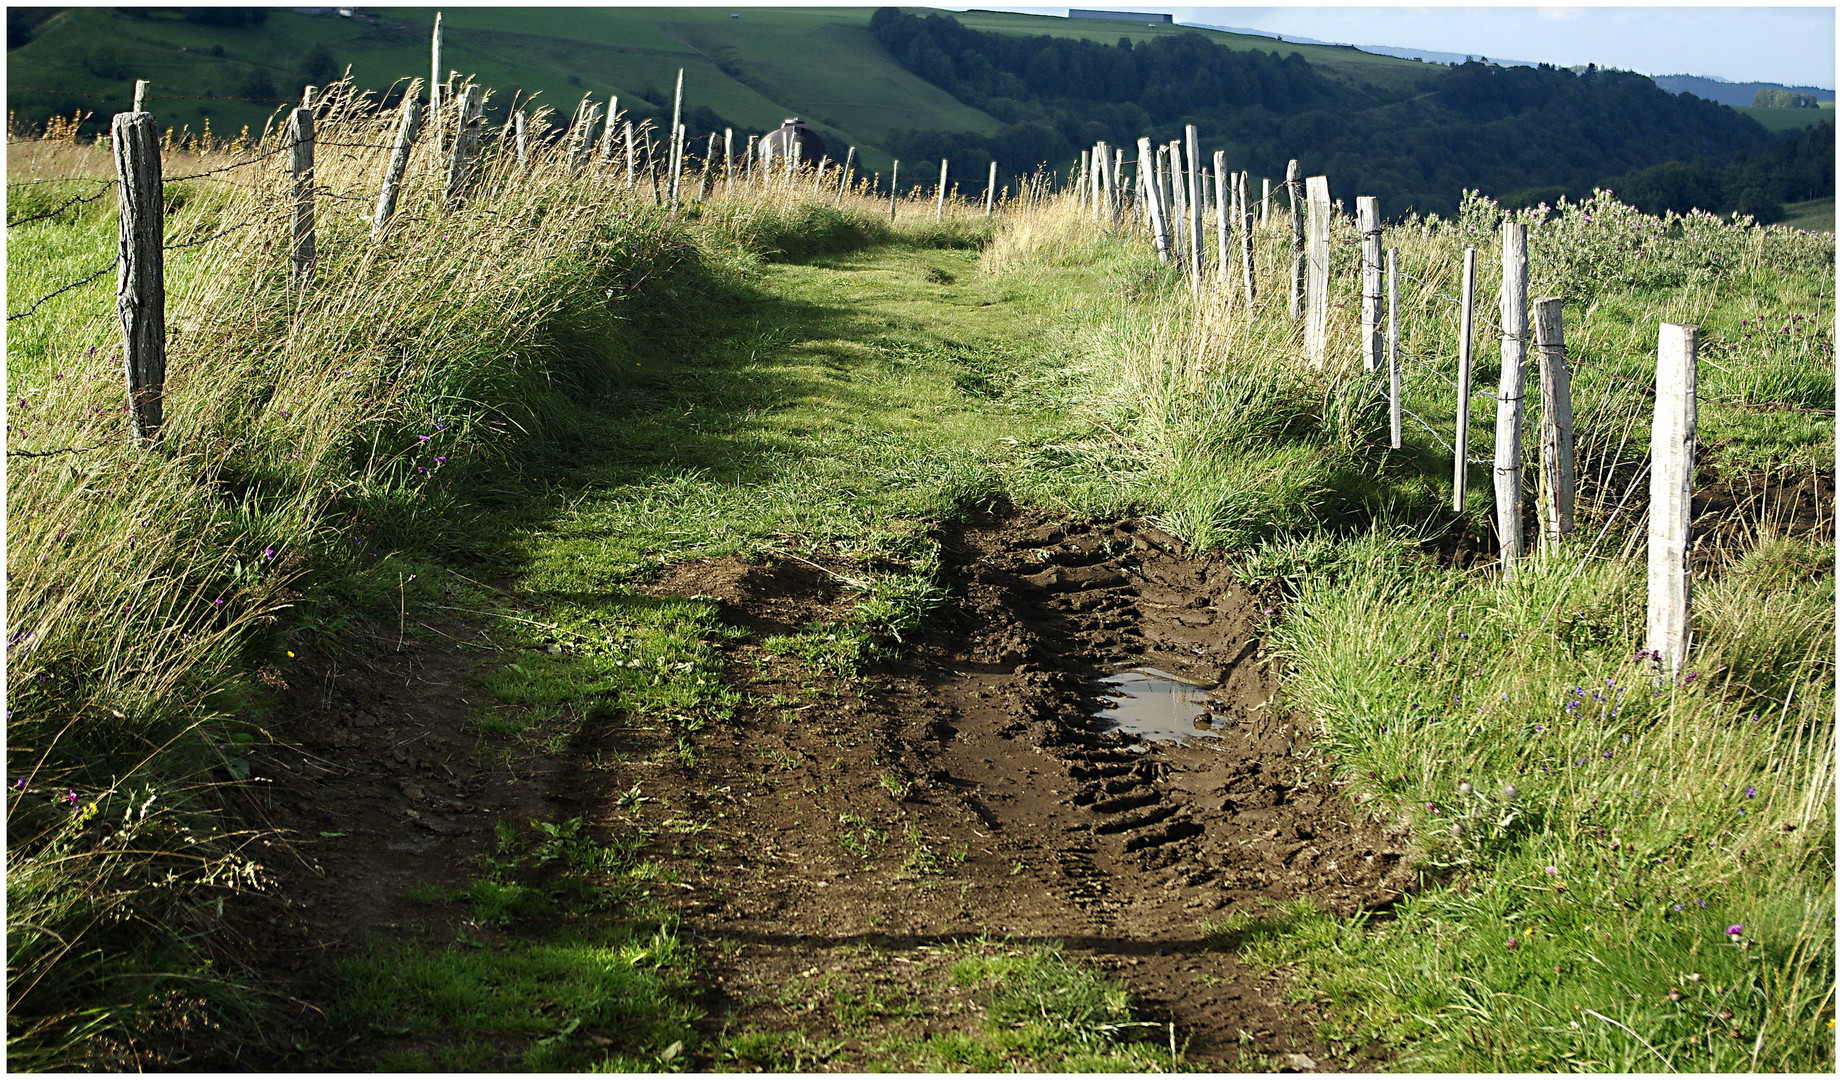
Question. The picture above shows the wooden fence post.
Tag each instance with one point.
(1297, 206)
(1317, 270)
(521, 138)
(1266, 199)
(1461, 436)
(436, 81)
(704, 179)
(895, 167)
(676, 143)
(844, 174)
(1195, 207)
(1394, 349)
(1179, 213)
(1244, 221)
(140, 95)
(1507, 469)
(466, 142)
(991, 185)
(607, 129)
(300, 164)
(1672, 483)
(1368, 223)
(1556, 492)
(1220, 161)
(633, 175)
(399, 161)
(585, 144)
(1148, 185)
(140, 272)
(940, 193)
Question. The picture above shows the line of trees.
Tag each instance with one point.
(1473, 125)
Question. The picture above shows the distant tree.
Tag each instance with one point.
(258, 85)
(227, 16)
(318, 67)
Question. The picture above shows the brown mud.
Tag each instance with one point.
(836, 833)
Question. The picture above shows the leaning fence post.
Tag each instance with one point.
(1507, 469)
(466, 141)
(894, 167)
(1298, 239)
(607, 130)
(399, 160)
(1394, 349)
(1461, 436)
(300, 164)
(436, 80)
(1194, 207)
(1220, 161)
(991, 185)
(1148, 185)
(140, 272)
(590, 115)
(844, 174)
(1244, 222)
(673, 154)
(1368, 223)
(1317, 270)
(1556, 492)
(1672, 482)
(940, 193)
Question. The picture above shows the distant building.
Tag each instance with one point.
(1120, 16)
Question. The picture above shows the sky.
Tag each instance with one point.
(1795, 46)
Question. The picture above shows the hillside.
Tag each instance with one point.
(1414, 134)
(1732, 93)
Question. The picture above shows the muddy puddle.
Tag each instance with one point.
(1155, 706)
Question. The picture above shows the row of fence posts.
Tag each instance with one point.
(1169, 196)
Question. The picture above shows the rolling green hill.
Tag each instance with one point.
(1413, 133)
(1782, 120)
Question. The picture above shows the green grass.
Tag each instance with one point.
(1818, 215)
(1783, 120)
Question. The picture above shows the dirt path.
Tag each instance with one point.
(834, 843)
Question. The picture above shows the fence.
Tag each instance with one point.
(1167, 199)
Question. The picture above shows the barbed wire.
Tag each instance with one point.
(74, 200)
(250, 220)
(11, 184)
(227, 168)
(55, 453)
(41, 301)
(103, 98)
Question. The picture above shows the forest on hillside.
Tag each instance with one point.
(1521, 133)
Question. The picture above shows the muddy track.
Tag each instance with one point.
(1007, 811)
(836, 832)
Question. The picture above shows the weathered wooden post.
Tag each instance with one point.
(704, 177)
(1220, 161)
(607, 129)
(1083, 173)
(818, 174)
(844, 174)
(1179, 213)
(1148, 185)
(894, 168)
(1672, 483)
(588, 117)
(399, 161)
(633, 175)
(436, 81)
(1195, 208)
(940, 193)
(1461, 441)
(1368, 223)
(300, 165)
(140, 95)
(1394, 349)
(748, 165)
(466, 142)
(521, 138)
(1297, 205)
(1266, 199)
(1317, 270)
(140, 271)
(676, 147)
(991, 185)
(1514, 319)
(1556, 491)
(1244, 221)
